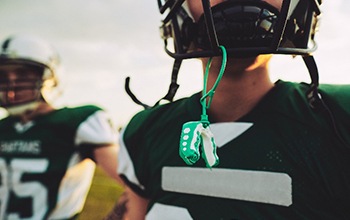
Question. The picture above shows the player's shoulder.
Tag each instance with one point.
(160, 115)
(338, 96)
(82, 109)
(71, 115)
(335, 94)
(78, 111)
(336, 90)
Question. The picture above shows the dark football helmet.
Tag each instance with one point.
(245, 28)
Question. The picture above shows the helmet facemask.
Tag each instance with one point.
(20, 87)
(239, 24)
(244, 27)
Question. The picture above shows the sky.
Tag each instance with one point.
(101, 42)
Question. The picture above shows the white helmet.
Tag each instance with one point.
(31, 50)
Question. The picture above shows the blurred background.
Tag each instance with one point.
(101, 42)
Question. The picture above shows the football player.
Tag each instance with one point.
(257, 149)
(47, 155)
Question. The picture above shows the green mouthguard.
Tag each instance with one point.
(197, 133)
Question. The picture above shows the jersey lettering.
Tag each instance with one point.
(20, 147)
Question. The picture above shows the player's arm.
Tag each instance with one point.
(130, 206)
(106, 158)
(97, 140)
(136, 206)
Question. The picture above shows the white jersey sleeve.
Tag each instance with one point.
(96, 129)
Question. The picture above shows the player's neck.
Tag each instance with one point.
(238, 93)
(42, 109)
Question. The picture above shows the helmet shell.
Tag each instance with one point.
(30, 50)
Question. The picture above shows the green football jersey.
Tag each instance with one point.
(43, 171)
(282, 160)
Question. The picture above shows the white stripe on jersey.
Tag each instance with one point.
(168, 212)
(227, 131)
(247, 185)
(125, 165)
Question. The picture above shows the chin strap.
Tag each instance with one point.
(131, 94)
(22, 108)
(171, 91)
(312, 94)
(315, 99)
(177, 63)
(173, 84)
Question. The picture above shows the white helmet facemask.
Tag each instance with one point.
(20, 109)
